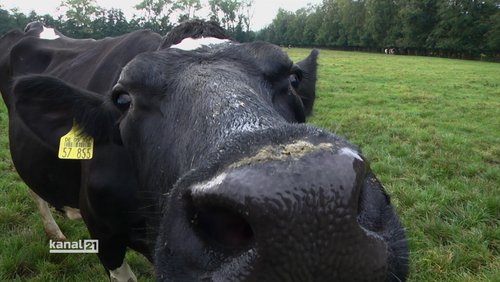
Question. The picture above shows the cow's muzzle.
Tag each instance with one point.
(299, 214)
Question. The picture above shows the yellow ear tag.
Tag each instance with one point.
(76, 145)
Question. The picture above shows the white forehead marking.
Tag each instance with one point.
(350, 152)
(200, 187)
(189, 44)
(48, 33)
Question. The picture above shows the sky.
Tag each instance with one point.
(263, 14)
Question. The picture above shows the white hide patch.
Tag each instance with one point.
(189, 44)
(122, 274)
(216, 181)
(48, 34)
(350, 152)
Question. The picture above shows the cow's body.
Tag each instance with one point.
(164, 161)
(103, 188)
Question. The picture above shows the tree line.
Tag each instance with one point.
(86, 19)
(451, 28)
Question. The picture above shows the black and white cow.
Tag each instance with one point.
(200, 161)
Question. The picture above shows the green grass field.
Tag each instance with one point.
(431, 128)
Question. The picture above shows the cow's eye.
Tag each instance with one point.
(294, 80)
(122, 100)
(295, 76)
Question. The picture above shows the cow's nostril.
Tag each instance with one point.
(222, 228)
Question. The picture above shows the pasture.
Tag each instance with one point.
(429, 126)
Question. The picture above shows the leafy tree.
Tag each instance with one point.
(463, 24)
(155, 8)
(353, 14)
(157, 14)
(225, 12)
(280, 24)
(110, 23)
(116, 23)
(493, 35)
(187, 9)
(418, 19)
(5, 21)
(80, 14)
(16, 19)
(296, 29)
(246, 13)
(313, 21)
(381, 22)
(331, 26)
(448, 27)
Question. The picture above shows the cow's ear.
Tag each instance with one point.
(307, 87)
(48, 106)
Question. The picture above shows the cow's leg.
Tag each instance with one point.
(72, 213)
(122, 273)
(112, 239)
(111, 235)
(49, 224)
(108, 205)
(112, 249)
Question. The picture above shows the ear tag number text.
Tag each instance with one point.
(76, 145)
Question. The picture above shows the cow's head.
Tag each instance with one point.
(247, 193)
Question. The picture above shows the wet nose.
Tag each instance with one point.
(299, 215)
